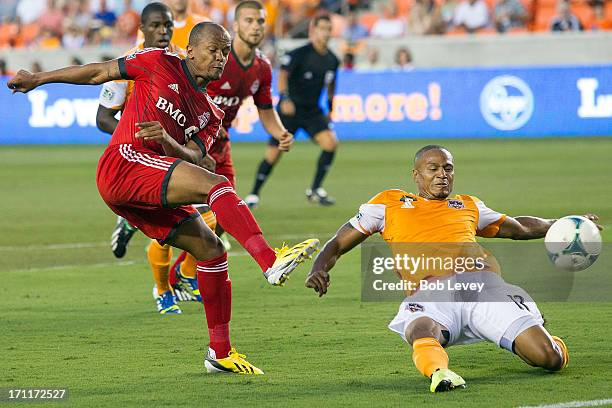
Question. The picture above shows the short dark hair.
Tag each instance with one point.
(199, 31)
(252, 4)
(425, 149)
(153, 8)
(319, 17)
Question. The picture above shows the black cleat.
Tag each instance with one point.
(120, 237)
(319, 196)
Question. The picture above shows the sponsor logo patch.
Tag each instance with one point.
(407, 200)
(255, 86)
(415, 307)
(456, 204)
(203, 118)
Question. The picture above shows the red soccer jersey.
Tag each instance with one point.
(165, 91)
(239, 82)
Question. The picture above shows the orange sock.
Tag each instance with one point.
(428, 355)
(210, 219)
(564, 350)
(160, 257)
(188, 266)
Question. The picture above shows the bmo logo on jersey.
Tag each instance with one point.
(506, 102)
(167, 107)
(226, 100)
(178, 117)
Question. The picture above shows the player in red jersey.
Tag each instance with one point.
(247, 73)
(150, 171)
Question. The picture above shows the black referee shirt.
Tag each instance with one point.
(309, 72)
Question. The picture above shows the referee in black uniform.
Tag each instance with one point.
(304, 73)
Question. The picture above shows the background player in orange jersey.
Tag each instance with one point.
(432, 216)
(184, 21)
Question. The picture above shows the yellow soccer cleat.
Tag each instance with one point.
(234, 363)
(444, 379)
(287, 259)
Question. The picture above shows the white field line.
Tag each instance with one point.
(233, 254)
(575, 404)
(51, 247)
(81, 245)
(71, 266)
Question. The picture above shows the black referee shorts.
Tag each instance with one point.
(312, 121)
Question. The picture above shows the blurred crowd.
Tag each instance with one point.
(72, 24)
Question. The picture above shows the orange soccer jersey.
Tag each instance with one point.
(402, 217)
(436, 229)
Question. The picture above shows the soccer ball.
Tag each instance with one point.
(573, 243)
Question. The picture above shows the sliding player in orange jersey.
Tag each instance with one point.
(429, 217)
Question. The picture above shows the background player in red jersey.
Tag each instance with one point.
(150, 170)
(247, 73)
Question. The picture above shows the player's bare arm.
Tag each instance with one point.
(94, 73)
(106, 120)
(527, 227)
(153, 131)
(287, 106)
(273, 125)
(345, 239)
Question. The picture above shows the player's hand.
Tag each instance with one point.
(152, 131)
(208, 163)
(285, 142)
(594, 218)
(287, 107)
(318, 280)
(23, 81)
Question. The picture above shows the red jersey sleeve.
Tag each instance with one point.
(263, 96)
(141, 64)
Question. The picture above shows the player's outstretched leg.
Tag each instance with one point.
(192, 184)
(329, 143)
(121, 236)
(539, 349)
(216, 289)
(429, 357)
(263, 172)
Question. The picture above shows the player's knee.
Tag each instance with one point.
(328, 142)
(216, 179)
(421, 328)
(273, 156)
(211, 248)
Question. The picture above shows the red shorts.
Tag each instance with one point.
(221, 151)
(133, 182)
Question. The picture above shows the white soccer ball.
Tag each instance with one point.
(573, 243)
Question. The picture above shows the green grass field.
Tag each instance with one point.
(73, 316)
